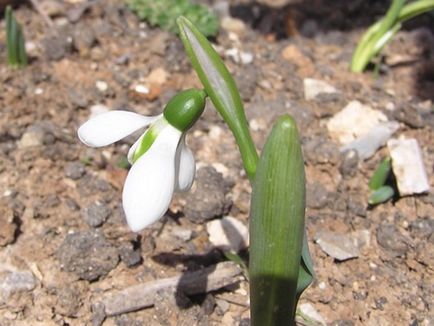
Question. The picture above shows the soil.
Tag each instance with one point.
(64, 241)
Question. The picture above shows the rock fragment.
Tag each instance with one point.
(228, 233)
(408, 166)
(390, 238)
(342, 246)
(314, 87)
(13, 280)
(367, 145)
(87, 254)
(308, 310)
(208, 199)
(353, 122)
(96, 214)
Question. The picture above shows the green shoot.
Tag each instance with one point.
(380, 192)
(16, 51)
(379, 34)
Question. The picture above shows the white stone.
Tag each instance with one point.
(98, 109)
(408, 166)
(102, 86)
(228, 233)
(314, 87)
(238, 56)
(343, 246)
(13, 280)
(234, 25)
(354, 121)
(367, 145)
(309, 310)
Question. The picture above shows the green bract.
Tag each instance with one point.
(221, 89)
(185, 108)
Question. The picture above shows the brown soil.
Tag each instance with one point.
(57, 262)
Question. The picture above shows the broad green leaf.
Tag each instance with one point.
(277, 228)
(221, 89)
(380, 175)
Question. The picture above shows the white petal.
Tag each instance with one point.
(150, 183)
(107, 128)
(185, 167)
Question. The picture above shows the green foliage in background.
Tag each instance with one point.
(16, 51)
(163, 13)
(379, 34)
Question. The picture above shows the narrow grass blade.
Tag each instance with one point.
(381, 195)
(380, 175)
(368, 46)
(221, 89)
(277, 227)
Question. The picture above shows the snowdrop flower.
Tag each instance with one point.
(161, 161)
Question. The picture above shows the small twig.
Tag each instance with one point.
(143, 295)
(37, 6)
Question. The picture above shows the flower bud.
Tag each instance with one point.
(185, 108)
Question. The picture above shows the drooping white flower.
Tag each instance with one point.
(161, 161)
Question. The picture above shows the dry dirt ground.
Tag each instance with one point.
(64, 242)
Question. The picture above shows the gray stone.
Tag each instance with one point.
(390, 238)
(342, 246)
(34, 136)
(57, 46)
(349, 163)
(84, 38)
(208, 199)
(367, 145)
(13, 281)
(68, 301)
(129, 255)
(87, 254)
(409, 115)
(75, 170)
(320, 150)
(313, 88)
(96, 214)
(316, 195)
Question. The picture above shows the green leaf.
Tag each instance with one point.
(306, 272)
(277, 228)
(380, 175)
(381, 195)
(369, 46)
(221, 89)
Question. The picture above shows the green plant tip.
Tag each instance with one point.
(185, 108)
(381, 174)
(381, 195)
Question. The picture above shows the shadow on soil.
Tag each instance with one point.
(195, 263)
